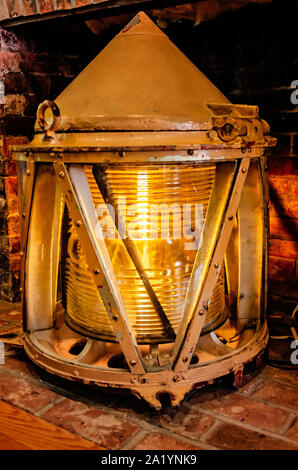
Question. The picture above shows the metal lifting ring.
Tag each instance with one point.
(42, 108)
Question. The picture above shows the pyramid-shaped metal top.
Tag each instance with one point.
(140, 81)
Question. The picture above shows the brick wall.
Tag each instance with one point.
(33, 66)
(250, 54)
(14, 8)
(283, 249)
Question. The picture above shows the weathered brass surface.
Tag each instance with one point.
(140, 88)
(142, 122)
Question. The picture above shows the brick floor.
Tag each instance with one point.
(282, 395)
(99, 426)
(244, 409)
(228, 436)
(23, 394)
(293, 430)
(156, 441)
(262, 414)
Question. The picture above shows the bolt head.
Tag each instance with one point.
(133, 362)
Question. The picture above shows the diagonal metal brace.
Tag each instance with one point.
(134, 254)
(187, 340)
(81, 208)
(25, 207)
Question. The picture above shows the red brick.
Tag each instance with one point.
(13, 224)
(11, 186)
(63, 4)
(15, 82)
(80, 3)
(10, 61)
(15, 263)
(21, 364)
(157, 441)
(46, 6)
(283, 249)
(23, 394)
(228, 436)
(282, 166)
(278, 394)
(295, 188)
(5, 152)
(18, 140)
(29, 7)
(281, 268)
(280, 185)
(14, 7)
(292, 432)
(7, 167)
(243, 409)
(99, 426)
(187, 422)
(283, 206)
(282, 228)
(14, 244)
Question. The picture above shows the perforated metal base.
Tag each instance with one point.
(64, 353)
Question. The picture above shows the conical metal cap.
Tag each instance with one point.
(140, 81)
